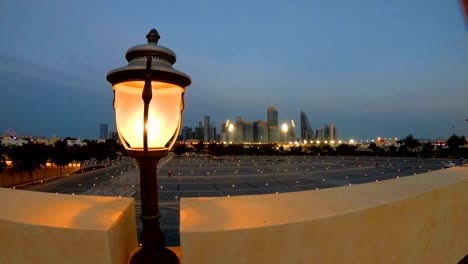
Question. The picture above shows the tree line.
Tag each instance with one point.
(408, 147)
(32, 156)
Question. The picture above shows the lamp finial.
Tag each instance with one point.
(153, 36)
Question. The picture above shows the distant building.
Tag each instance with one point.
(307, 133)
(13, 141)
(272, 122)
(248, 132)
(198, 133)
(187, 133)
(326, 133)
(319, 134)
(114, 135)
(292, 132)
(332, 132)
(75, 141)
(223, 135)
(260, 131)
(103, 130)
(212, 133)
(239, 130)
(206, 129)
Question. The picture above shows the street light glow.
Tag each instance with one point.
(163, 116)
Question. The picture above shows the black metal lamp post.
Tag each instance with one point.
(148, 104)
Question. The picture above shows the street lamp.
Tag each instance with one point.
(284, 127)
(148, 104)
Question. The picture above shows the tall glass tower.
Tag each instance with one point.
(307, 133)
(103, 134)
(206, 129)
(272, 122)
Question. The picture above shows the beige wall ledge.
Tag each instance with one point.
(56, 228)
(417, 219)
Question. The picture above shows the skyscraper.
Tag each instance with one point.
(272, 122)
(260, 132)
(239, 130)
(307, 133)
(332, 131)
(206, 129)
(326, 133)
(187, 133)
(291, 136)
(103, 127)
(248, 132)
(198, 133)
(114, 135)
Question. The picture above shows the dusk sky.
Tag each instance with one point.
(372, 67)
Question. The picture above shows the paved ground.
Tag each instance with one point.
(194, 176)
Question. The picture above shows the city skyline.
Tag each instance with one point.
(376, 68)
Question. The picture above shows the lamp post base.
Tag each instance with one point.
(152, 239)
(152, 257)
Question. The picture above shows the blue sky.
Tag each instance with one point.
(374, 68)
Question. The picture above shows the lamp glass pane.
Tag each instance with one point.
(163, 115)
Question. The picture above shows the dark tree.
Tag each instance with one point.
(328, 150)
(372, 146)
(281, 149)
(411, 142)
(345, 150)
(180, 149)
(42, 152)
(234, 149)
(314, 150)
(200, 146)
(80, 153)
(3, 153)
(61, 154)
(25, 158)
(403, 150)
(216, 149)
(392, 150)
(463, 140)
(99, 151)
(267, 149)
(454, 142)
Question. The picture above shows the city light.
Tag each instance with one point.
(285, 128)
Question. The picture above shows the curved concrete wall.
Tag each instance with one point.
(417, 219)
(54, 228)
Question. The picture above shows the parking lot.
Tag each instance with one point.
(205, 176)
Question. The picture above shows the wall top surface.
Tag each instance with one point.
(61, 210)
(258, 211)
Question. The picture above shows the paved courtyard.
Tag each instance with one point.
(203, 176)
